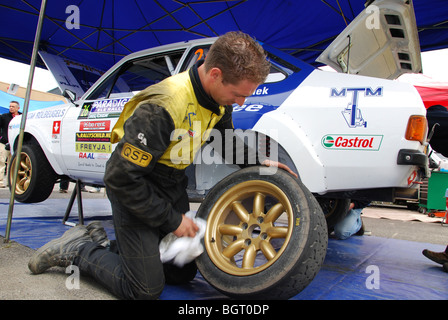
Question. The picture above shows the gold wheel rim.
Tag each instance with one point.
(248, 228)
(23, 175)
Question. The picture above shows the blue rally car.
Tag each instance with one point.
(352, 134)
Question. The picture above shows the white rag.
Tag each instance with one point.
(183, 250)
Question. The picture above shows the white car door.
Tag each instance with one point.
(87, 128)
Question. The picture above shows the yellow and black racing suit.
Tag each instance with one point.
(159, 133)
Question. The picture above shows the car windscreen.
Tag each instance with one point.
(134, 76)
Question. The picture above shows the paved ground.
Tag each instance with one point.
(405, 228)
(16, 282)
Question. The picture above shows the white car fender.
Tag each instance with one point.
(299, 148)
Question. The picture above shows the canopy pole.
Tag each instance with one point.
(24, 115)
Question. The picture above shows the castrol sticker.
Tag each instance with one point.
(352, 142)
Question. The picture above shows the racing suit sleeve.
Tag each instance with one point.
(147, 135)
(234, 149)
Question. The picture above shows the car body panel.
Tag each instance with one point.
(315, 113)
(86, 137)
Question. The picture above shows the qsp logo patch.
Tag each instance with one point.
(136, 155)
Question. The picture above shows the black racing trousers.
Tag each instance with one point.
(135, 270)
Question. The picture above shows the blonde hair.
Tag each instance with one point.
(239, 57)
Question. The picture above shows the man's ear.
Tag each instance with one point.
(215, 74)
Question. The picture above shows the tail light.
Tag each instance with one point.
(417, 129)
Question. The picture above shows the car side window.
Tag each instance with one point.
(196, 54)
(276, 74)
(134, 76)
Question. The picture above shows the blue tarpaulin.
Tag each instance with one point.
(359, 268)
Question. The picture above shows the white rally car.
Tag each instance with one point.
(349, 135)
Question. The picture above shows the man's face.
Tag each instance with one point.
(228, 94)
(13, 107)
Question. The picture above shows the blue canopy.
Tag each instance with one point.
(99, 33)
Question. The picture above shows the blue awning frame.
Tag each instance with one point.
(111, 29)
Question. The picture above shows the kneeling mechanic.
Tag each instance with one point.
(145, 185)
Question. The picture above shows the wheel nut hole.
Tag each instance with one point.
(254, 231)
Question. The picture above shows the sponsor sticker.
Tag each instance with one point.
(412, 178)
(56, 127)
(136, 155)
(92, 136)
(46, 114)
(110, 108)
(86, 155)
(352, 142)
(352, 113)
(102, 125)
(93, 147)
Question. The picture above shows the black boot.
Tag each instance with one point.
(438, 257)
(97, 233)
(59, 252)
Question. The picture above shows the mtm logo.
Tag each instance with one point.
(352, 113)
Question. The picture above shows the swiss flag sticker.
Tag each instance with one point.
(56, 127)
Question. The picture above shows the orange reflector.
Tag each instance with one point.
(417, 129)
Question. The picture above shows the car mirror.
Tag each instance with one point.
(70, 95)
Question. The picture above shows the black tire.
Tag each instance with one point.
(287, 239)
(35, 178)
(334, 210)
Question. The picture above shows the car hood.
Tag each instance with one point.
(381, 42)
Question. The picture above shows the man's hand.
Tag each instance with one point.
(187, 228)
(272, 163)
